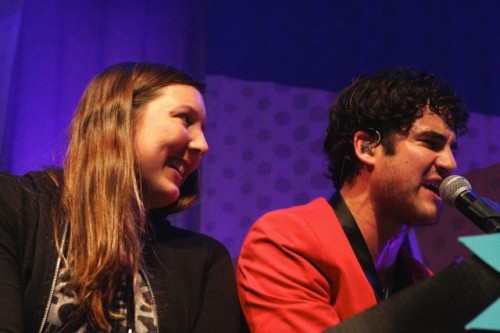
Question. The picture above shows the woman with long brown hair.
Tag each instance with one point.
(89, 248)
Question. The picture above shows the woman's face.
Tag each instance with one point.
(169, 142)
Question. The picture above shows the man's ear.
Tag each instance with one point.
(363, 147)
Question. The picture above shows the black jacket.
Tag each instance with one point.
(191, 275)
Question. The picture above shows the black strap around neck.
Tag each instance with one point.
(358, 243)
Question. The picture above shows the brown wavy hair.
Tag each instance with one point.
(101, 196)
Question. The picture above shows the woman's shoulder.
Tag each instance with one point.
(188, 251)
(177, 235)
(19, 188)
(36, 181)
(26, 203)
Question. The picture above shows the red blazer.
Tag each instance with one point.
(297, 272)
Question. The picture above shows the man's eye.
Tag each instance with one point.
(432, 144)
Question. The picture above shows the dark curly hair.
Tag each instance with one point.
(388, 102)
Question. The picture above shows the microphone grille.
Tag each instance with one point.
(451, 187)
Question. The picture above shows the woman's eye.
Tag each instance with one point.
(186, 118)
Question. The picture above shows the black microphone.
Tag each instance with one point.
(456, 191)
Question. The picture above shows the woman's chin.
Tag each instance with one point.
(162, 199)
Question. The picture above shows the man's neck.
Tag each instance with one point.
(383, 238)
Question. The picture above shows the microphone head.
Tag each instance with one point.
(451, 187)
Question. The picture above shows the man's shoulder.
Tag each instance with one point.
(314, 218)
(314, 208)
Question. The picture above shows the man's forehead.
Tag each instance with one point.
(433, 125)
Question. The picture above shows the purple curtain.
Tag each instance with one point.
(61, 45)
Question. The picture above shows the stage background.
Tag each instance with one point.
(272, 68)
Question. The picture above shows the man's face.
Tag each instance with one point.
(406, 184)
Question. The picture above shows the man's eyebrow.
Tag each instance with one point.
(430, 134)
(438, 137)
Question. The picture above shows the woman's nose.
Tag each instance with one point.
(198, 142)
